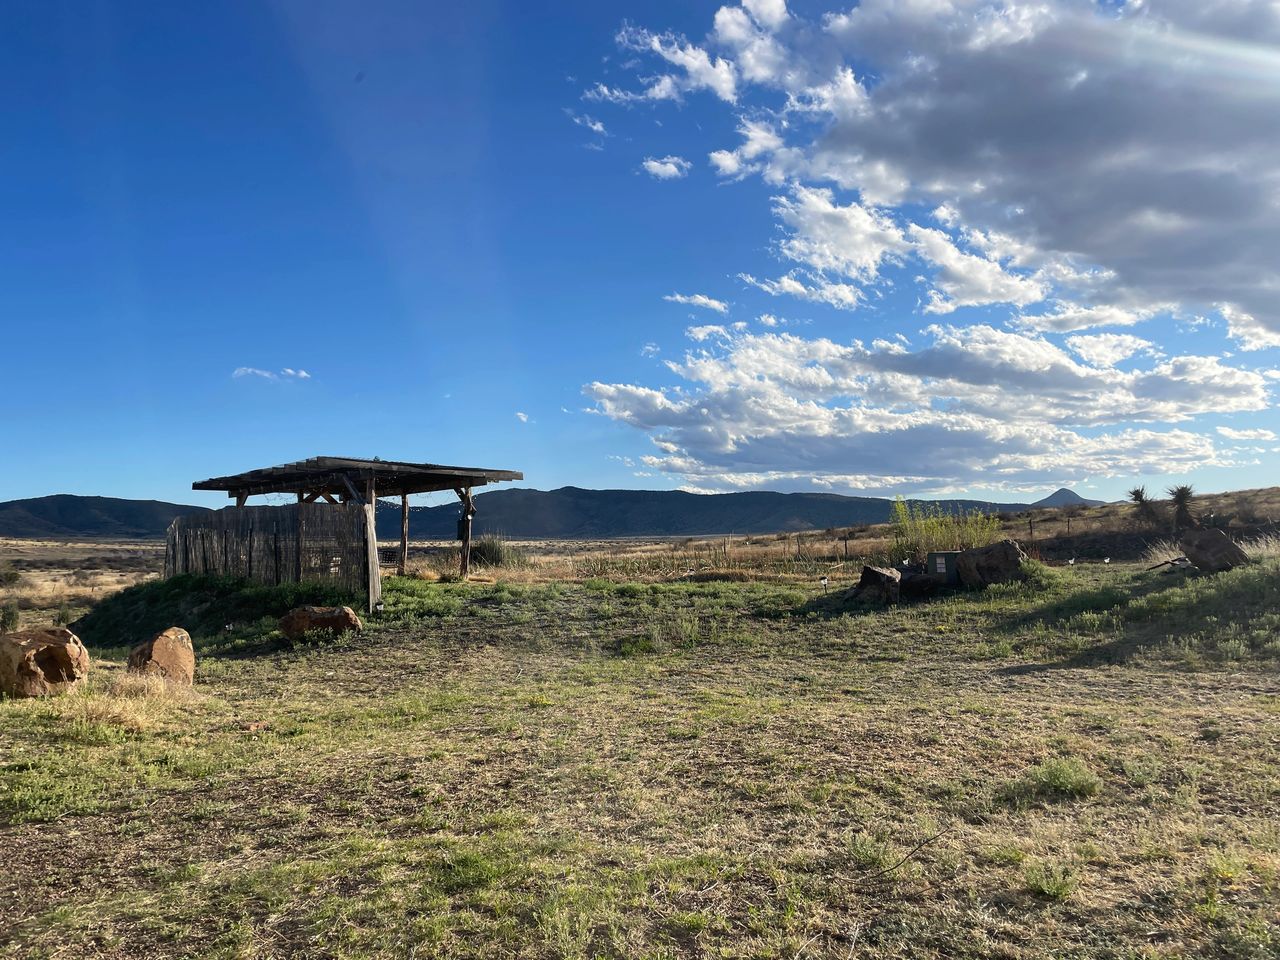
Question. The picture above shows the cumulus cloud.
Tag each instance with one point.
(1107, 349)
(666, 168)
(1072, 184)
(971, 405)
(1257, 434)
(522, 416)
(288, 373)
(1129, 150)
(698, 300)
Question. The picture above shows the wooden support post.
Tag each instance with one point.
(403, 566)
(241, 498)
(297, 562)
(468, 511)
(373, 578)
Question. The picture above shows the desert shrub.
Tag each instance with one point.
(64, 616)
(9, 616)
(919, 528)
(1053, 881)
(1061, 778)
(494, 550)
(9, 577)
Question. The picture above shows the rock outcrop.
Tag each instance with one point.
(877, 584)
(1212, 550)
(301, 620)
(41, 663)
(999, 562)
(168, 654)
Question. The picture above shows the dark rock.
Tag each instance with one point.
(301, 620)
(877, 584)
(1212, 550)
(999, 562)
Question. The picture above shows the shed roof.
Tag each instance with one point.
(348, 475)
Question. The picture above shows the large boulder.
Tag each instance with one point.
(877, 584)
(1212, 550)
(40, 663)
(999, 562)
(301, 620)
(168, 654)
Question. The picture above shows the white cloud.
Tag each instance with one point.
(650, 350)
(1258, 434)
(968, 280)
(698, 300)
(973, 404)
(1070, 316)
(701, 71)
(522, 417)
(843, 296)
(288, 373)
(590, 122)
(1119, 157)
(666, 168)
(1107, 349)
(705, 332)
(850, 240)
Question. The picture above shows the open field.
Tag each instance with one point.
(1087, 765)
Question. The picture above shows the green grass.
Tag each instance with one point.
(663, 770)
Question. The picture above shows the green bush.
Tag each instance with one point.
(8, 575)
(920, 528)
(9, 616)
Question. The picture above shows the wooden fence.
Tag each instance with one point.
(286, 544)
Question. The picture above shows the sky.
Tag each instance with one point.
(925, 247)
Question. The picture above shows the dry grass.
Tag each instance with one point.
(675, 770)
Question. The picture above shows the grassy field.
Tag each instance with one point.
(1084, 766)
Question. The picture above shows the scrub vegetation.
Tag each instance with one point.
(1085, 765)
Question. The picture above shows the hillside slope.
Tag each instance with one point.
(64, 516)
(574, 513)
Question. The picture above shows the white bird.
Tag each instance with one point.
(1071, 562)
(1106, 560)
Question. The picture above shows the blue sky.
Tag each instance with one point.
(466, 226)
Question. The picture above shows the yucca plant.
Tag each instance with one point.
(1147, 511)
(1180, 496)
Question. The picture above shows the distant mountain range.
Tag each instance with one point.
(569, 513)
(66, 517)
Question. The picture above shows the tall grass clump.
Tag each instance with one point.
(9, 577)
(1265, 547)
(919, 528)
(8, 616)
(495, 550)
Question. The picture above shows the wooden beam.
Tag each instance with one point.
(241, 497)
(403, 566)
(374, 577)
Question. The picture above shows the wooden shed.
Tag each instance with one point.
(329, 534)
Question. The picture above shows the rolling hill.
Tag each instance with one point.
(573, 513)
(566, 513)
(67, 517)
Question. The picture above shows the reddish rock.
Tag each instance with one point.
(168, 654)
(1212, 550)
(298, 622)
(999, 562)
(40, 663)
